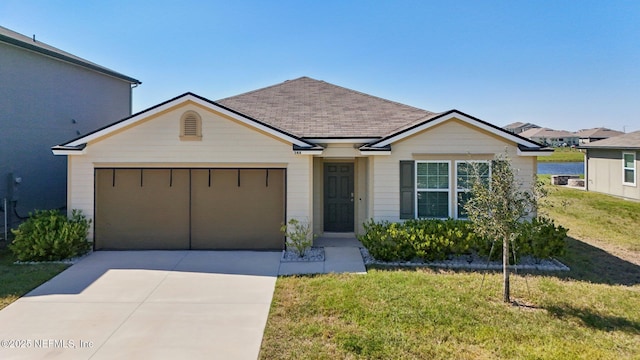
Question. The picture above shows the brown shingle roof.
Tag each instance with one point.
(626, 141)
(598, 133)
(546, 133)
(312, 108)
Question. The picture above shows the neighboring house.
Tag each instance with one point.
(585, 136)
(550, 137)
(519, 127)
(191, 173)
(46, 97)
(613, 164)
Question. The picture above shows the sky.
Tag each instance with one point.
(560, 64)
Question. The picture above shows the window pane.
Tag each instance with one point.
(422, 182)
(629, 176)
(422, 169)
(433, 204)
(433, 176)
(443, 182)
(629, 161)
(466, 174)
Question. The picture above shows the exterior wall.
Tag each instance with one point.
(604, 173)
(225, 143)
(452, 140)
(40, 98)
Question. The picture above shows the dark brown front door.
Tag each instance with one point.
(338, 197)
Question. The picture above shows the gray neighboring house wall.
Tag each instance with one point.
(48, 96)
(613, 166)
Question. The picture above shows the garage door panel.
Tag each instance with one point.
(237, 208)
(142, 209)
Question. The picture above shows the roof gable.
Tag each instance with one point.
(79, 144)
(431, 121)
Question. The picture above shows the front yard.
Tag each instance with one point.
(590, 312)
(18, 279)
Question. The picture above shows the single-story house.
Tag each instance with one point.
(550, 137)
(519, 127)
(612, 166)
(586, 136)
(191, 173)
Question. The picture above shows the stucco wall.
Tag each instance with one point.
(451, 140)
(225, 143)
(40, 97)
(604, 173)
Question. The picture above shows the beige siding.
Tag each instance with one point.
(225, 143)
(604, 173)
(451, 140)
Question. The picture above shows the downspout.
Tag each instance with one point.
(133, 86)
(586, 170)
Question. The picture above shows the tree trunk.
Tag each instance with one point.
(505, 269)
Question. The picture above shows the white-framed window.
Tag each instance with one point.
(465, 172)
(629, 168)
(433, 189)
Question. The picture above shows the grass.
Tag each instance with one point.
(17, 280)
(563, 155)
(597, 218)
(590, 312)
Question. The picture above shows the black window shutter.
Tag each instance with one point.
(407, 190)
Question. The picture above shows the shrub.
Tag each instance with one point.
(48, 235)
(541, 238)
(299, 235)
(434, 239)
(429, 239)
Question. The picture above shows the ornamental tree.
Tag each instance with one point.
(496, 207)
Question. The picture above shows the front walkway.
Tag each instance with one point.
(342, 255)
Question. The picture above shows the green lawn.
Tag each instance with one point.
(597, 218)
(17, 280)
(563, 155)
(590, 312)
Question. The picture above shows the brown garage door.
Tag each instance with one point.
(189, 208)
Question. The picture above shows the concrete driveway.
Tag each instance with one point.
(146, 305)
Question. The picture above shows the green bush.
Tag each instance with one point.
(429, 239)
(541, 238)
(48, 235)
(434, 239)
(299, 236)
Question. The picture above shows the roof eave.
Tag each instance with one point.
(534, 151)
(65, 58)
(69, 150)
(368, 150)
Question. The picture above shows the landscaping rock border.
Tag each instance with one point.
(473, 261)
(312, 254)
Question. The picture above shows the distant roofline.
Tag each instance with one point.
(61, 55)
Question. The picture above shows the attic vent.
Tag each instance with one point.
(190, 126)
